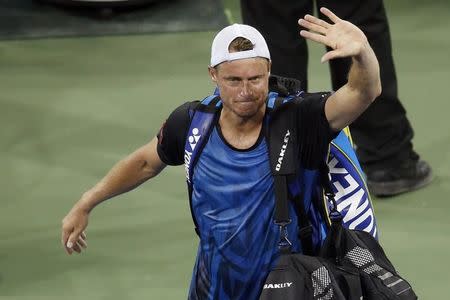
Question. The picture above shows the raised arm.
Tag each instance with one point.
(364, 84)
(126, 175)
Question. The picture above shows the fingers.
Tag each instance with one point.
(318, 30)
(312, 26)
(316, 21)
(82, 241)
(319, 22)
(74, 241)
(73, 237)
(330, 14)
(318, 38)
(79, 245)
(321, 31)
(331, 55)
(76, 248)
(64, 237)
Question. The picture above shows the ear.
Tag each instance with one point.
(213, 73)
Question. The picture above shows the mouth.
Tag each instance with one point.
(245, 101)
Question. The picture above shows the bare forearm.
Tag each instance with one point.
(123, 177)
(364, 75)
(362, 88)
(126, 175)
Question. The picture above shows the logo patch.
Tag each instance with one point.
(277, 285)
(351, 195)
(193, 138)
(283, 150)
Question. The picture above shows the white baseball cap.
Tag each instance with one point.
(219, 49)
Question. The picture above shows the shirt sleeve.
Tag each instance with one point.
(314, 132)
(172, 135)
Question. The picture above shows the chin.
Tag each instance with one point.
(247, 113)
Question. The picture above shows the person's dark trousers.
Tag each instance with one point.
(382, 134)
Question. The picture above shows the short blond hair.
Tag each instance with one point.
(240, 44)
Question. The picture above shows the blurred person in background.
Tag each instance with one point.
(382, 134)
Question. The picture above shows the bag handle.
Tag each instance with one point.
(282, 211)
(281, 214)
(325, 182)
(334, 215)
(281, 217)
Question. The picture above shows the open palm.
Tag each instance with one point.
(344, 38)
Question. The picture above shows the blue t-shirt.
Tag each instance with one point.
(233, 201)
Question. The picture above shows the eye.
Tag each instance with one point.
(234, 81)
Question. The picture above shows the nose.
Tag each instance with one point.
(246, 90)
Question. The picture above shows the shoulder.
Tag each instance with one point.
(301, 103)
(184, 110)
(173, 132)
(312, 102)
(180, 118)
(309, 97)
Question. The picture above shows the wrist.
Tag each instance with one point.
(365, 53)
(86, 203)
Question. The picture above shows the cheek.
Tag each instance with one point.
(226, 95)
(230, 91)
(224, 91)
(261, 90)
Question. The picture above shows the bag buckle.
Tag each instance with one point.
(284, 240)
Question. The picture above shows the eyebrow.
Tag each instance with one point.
(240, 78)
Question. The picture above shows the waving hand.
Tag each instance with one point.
(344, 38)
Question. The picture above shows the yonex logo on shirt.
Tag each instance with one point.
(193, 139)
(187, 162)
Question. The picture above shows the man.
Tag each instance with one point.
(233, 190)
(383, 134)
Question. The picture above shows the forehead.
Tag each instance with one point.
(247, 67)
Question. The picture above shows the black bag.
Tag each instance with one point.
(360, 251)
(299, 276)
(351, 264)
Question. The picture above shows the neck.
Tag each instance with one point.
(230, 120)
(241, 133)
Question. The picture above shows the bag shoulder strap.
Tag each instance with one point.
(284, 166)
(205, 115)
(282, 156)
(203, 118)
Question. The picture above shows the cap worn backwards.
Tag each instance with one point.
(220, 52)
